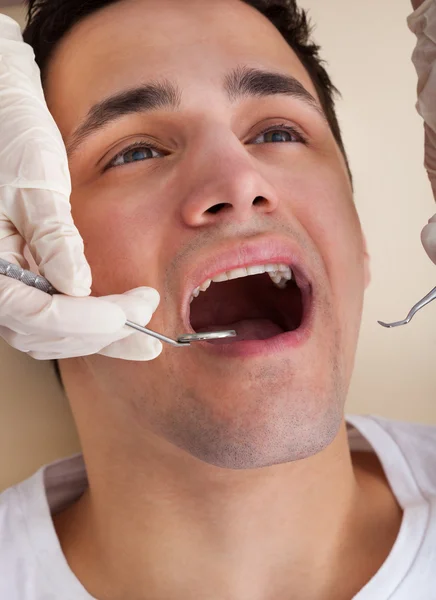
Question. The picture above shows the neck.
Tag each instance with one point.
(158, 523)
(182, 532)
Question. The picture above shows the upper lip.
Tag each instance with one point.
(245, 253)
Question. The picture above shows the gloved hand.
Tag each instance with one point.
(423, 23)
(428, 237)
(35, 210)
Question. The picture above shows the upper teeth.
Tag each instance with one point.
(279, 273)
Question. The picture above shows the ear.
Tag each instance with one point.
(366, 262)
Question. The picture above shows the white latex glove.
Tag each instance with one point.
(35, 188)
(423, 23)
(428, 237)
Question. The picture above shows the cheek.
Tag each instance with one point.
(120, 234)
(327, 211)
(323, 205)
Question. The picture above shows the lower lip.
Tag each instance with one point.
(292, 340)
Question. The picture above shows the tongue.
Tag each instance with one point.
(249, 329)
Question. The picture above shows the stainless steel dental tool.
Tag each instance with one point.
(41, 283)
(426, 300)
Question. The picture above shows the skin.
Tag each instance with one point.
(213, 477)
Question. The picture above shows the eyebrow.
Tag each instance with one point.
(241, 82)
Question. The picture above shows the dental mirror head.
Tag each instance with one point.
(186, 339)
(204, 337)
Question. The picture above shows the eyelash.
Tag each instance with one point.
(301, 139)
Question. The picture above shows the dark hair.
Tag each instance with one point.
(48, 21)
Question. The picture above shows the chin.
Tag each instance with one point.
(252, 430)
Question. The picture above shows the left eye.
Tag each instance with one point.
(277, 134)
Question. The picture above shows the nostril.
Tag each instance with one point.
(217, 207)
(214, 209)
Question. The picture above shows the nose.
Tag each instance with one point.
(225, 184)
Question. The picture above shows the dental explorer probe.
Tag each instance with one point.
(426, 300)
(41, 283)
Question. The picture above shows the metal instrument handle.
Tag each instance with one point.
(28, 277)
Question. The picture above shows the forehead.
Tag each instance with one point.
(193, 43)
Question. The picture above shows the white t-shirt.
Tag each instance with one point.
(33, 567)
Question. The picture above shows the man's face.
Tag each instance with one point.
(214, 186)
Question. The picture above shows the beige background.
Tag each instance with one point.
(368, 47)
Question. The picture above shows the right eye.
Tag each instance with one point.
(136, 152)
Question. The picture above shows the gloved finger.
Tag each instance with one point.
(139, 304)
(43, 218)
(428, 238)
(135, 345)
(53, 355)
(53, 347)
(64, 316)
(12, 246)
(132, 348)
(27, 310)
(139, 347)
(48, 355)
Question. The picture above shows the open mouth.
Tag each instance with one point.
(255, 306)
